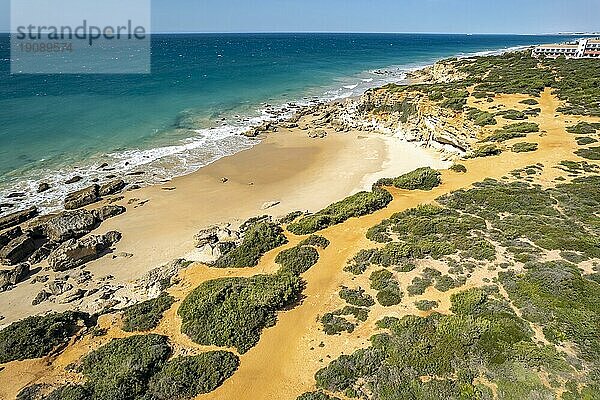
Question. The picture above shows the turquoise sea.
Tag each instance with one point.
(203, 91)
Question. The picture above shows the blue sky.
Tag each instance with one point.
(456, 16)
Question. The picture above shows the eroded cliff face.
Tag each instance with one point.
(413, 117)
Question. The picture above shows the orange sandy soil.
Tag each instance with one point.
(282, 365)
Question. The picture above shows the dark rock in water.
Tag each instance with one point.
(43, 187)
(74, 179)
(106, 212)
(17, 250)
(10, 234)
(103, 165)
(43, 252)
(16, 195)
(11, 277)
(111, 187)
(17, 218)
(136, 173)
(74, 253)
(134, 187)
(69, 225)
(40, 298)
(82, 197)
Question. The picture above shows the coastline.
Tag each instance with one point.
(288, 167)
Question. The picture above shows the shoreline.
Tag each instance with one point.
(287, 167)
(155, 173)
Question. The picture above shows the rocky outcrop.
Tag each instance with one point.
(158, 279)
(214, 241)
(74, 253)
(10, 277)
(82, 198)
(16, 218)
(112, 187)
(17, 250)
(9, 234)
(69, 225)
(103, 213)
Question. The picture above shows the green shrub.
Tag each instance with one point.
(297, 260)
(334, 324)
(361, 261)
(145, 316)
(513, 131)
(380, 279)
(291, 217)
(356, 297)
(389, 291)
(592, 153)
(485, 151)
(122, 368)
(459, 168)
(583, 128)
(481, 118)
(584, 141)
(512, 114)
(68, 392)
(316, 396)
(187, 377)
(360, 204)
(316, 241)
(426, 305)
(233, 311)
(524, 147)
(258, 239)
(420, 179)
(530, 102)
(38, 336)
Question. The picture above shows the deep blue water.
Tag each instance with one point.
(55, 125)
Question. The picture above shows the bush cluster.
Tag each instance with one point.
(357, 205)
(146, 315)
(259, 238)
(233, 312)
(524, 147)
(356, 297)
(297, 260)
(38, 336)
(486, 150)
(420, 179)
(389, 292)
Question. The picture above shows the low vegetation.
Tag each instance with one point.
(297, 260)
(122, 368)
(38, 336)
(524, 147)
(233, 312)
(146, 315)
(426, 305)
(389, 292)
(481, 118)
(591, 153)
(584, 128)
(482, 338)
(458, 168)
(486, 150)
(258, 239)
(357, 205)
(336, 322)
(356, 297)
(419, 179)
(186, 377)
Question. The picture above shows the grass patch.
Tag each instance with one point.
(481, 118)
(146, 315)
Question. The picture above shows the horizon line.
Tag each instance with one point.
(369, 32)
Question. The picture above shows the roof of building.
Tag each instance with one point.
(558, 46)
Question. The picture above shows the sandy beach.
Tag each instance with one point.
(288, 167)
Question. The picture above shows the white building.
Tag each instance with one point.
(583, 48)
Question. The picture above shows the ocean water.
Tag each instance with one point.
(204, 90)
